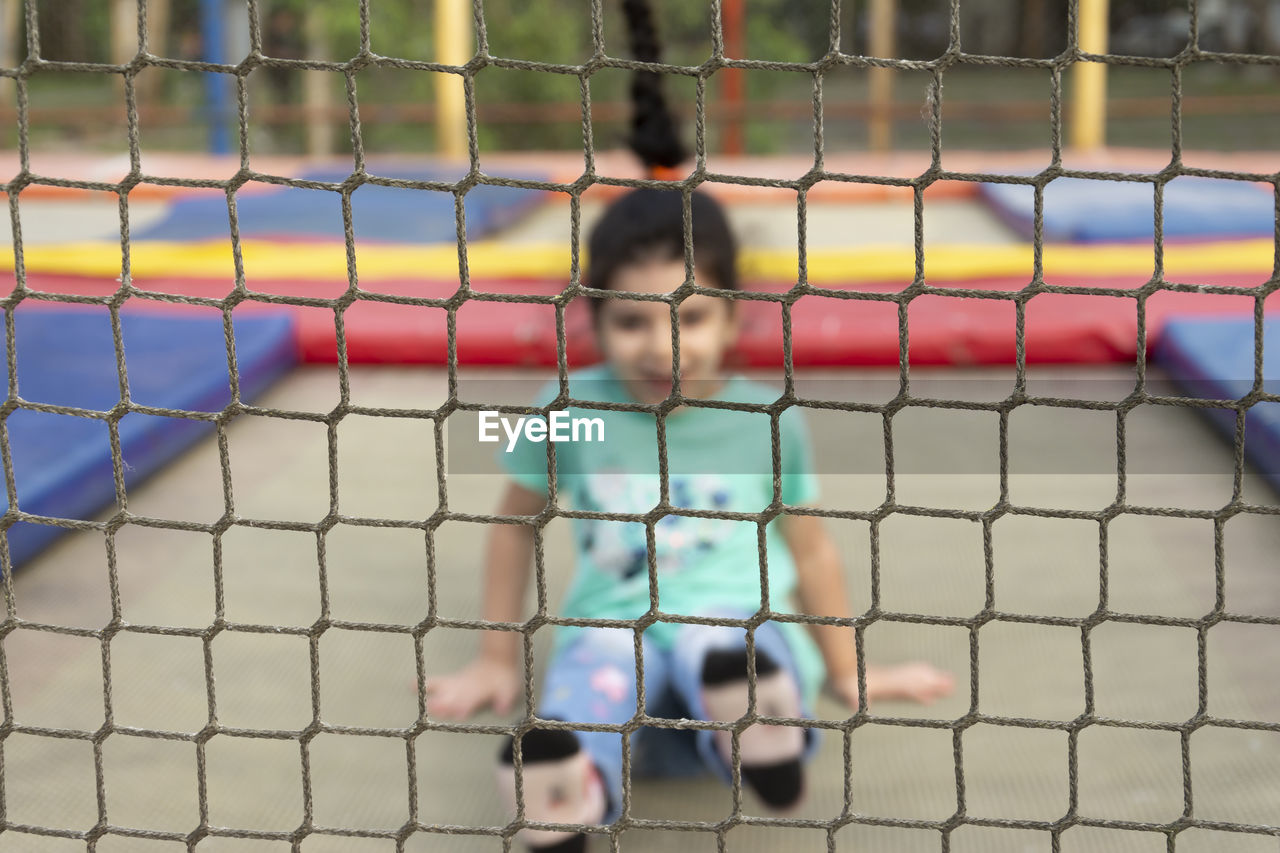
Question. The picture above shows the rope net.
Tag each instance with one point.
(843, 730)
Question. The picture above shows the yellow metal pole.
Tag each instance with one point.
(881, 43)
(1089, 106)
(455, 45)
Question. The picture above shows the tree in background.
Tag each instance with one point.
(521, 109)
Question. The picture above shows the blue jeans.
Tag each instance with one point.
(592, 679)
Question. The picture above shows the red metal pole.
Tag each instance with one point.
(733, 84)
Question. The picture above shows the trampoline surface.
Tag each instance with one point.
(1060, 458)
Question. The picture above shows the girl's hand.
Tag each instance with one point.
(480, 684)
(912, 682)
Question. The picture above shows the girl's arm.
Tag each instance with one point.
(821, 591)
(494, 677)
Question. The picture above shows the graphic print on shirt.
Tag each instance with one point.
(619, 547)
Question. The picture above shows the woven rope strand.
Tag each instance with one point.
(834, 59)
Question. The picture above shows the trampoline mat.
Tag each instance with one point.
(1044, 567)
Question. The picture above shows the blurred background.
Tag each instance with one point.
(215, 644)
(1226, 106)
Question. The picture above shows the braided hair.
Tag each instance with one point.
(647, 223)
(653, 129)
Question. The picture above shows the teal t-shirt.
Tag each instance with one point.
(718, 459)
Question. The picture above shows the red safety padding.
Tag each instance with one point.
(825, 330)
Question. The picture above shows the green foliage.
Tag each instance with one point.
(71, 30)
(520, 109)
(556, 31)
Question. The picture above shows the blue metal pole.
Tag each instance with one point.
(217, 100)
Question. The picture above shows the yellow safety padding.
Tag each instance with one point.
(327, 261)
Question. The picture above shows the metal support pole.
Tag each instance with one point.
(9, 48)
(124, 30)
(149, 83)
(455, 45)
(158, 16)
(882, 43)
(1089, 104)
(733, 86)
(217, 99)
(123, 33)
(317, 86)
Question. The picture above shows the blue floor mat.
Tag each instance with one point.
(62, 464)
(1084, 211)
(378, 214)
(1212, 358)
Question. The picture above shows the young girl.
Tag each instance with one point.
(706, 567)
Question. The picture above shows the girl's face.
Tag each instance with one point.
(636, 336)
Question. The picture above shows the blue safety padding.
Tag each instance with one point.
(62, 464)
(378, 213)
(1213, 359)
(1077, 210)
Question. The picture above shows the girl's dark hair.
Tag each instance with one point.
(648, 224)
(653, 128)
